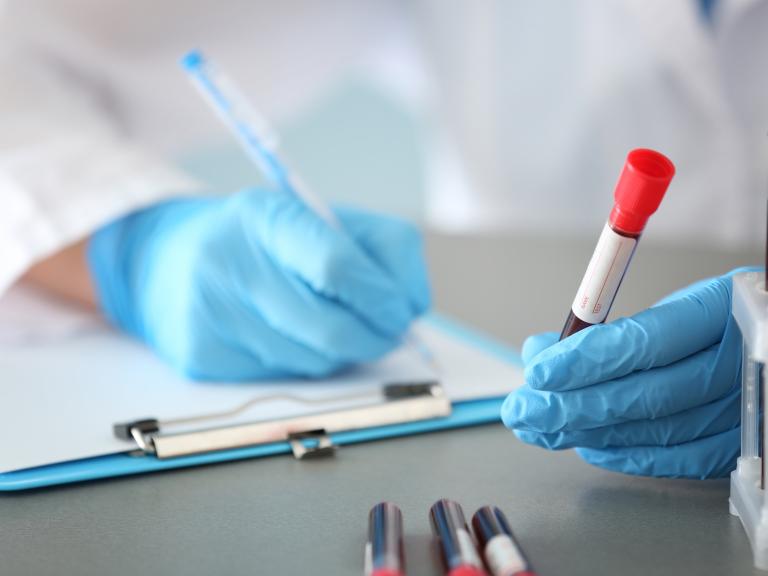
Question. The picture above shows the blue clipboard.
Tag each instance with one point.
(467, 413)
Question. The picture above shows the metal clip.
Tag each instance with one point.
(140, 431)
(404, 390)
(319, 445)
(404, 402)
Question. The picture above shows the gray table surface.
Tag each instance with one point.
(281, 516)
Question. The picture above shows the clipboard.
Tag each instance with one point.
(409, 408)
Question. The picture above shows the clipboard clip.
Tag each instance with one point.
(309, 435)
(319, 444)
(139, 431)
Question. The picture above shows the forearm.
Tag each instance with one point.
(65, 274)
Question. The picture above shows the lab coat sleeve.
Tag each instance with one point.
(66, 167)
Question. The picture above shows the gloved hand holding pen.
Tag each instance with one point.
(655, 394)
(256, 285)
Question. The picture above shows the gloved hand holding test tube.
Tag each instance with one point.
(654, 394)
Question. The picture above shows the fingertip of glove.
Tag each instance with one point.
(537, 343)
(550, 369)
(527, 436)
(533, 438)
(546, 375)
(531, 410)
(510, 411)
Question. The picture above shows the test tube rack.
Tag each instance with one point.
(749, 498)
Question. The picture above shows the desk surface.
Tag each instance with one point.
(280, 516)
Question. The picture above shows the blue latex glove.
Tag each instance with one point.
(656, 394)
(257, 286)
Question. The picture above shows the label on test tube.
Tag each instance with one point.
(504, 557)
(502, 554)
(467, 548)
(641, 187)
(603, 276)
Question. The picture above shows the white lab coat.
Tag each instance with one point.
(539, 102)
(95, 110)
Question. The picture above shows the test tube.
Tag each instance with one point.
(760, 377)
(500, 550)
(639, 191)
(456, 547)
(384, 552)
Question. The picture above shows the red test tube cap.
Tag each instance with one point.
(387, 572)
(640, 189)
(467, 571)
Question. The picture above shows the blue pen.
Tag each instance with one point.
(259, 142)
(251, 130)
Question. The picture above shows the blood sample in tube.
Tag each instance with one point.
(501, 552)
(455, 545)
(638, 194)
(384, 552)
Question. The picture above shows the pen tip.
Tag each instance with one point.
(192, 60)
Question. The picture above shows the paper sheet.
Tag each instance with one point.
(66, 378)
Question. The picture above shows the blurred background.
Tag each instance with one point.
(501, 117)
(498, 119)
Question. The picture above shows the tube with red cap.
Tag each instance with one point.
(456, 547)
(639, 191)
(500, 550)
(384, 552)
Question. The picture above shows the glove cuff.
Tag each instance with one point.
(119, 259)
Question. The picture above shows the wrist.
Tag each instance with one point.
(65, 274)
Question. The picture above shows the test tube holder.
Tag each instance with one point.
(749, 499)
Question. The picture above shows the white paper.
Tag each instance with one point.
(66, 378)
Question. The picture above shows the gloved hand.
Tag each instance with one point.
(655, 394)
(256, 285)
